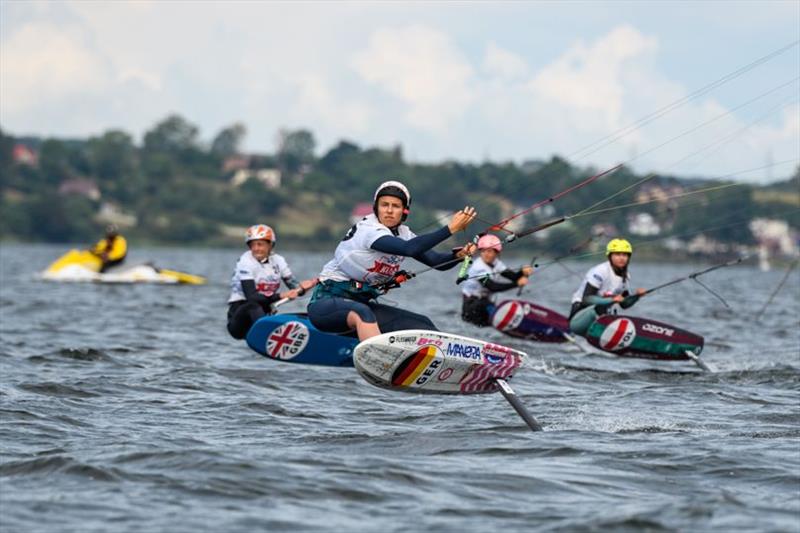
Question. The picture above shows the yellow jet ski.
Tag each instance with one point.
(82, 265)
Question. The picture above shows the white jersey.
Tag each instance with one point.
(355, 260)
(605, 280)
(473, 286)
(267, 276)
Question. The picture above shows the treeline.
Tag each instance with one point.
(179, 188)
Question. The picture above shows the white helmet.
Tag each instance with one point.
(259, 232)
(393, 188)
(396, 189)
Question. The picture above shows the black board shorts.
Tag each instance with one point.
(330, 315)
(241, 316)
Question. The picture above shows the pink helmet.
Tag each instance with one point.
(490, 241)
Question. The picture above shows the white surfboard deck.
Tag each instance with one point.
(435, 362)
(131, 274)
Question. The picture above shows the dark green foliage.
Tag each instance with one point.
(54, 162)
(6, 159)
(55, 218)
(228, 141)
(174, 135)
(295, 149)
(177, 188)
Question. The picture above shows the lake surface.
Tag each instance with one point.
(129, 409)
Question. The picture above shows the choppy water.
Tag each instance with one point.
(128, 408)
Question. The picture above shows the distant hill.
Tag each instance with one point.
(175, 188)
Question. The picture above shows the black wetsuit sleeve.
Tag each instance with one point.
(497, 286)
(591, 296)
(413, 247)
(629, 300)
(513, 275)
(291, 282)
(252, 295)
(438, 260)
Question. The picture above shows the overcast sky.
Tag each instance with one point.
(449, 80)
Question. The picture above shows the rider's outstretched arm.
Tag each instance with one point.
(412, 247)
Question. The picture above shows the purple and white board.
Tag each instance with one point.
(526, 320)
(435, 362)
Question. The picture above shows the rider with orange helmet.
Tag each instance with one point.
(487, 275)
(256, 280)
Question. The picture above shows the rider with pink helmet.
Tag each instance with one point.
(487, 275)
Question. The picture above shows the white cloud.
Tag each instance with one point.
(590, 79)
(421, 67)
(503, 64)
(42, 62)
(592, 92)
(148, 79)
(423, 78)
(317, 103)
(791, 122)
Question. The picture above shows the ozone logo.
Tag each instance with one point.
(618, 335)
(508, 316)
(287, 341)
(661, 330)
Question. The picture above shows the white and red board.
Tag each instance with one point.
(435, 362)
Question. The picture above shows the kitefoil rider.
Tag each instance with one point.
(487, 275)
(604, 288)
(256, 280)
(368, 259)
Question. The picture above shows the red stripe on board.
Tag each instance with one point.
(623, 327)
(507, 318)
(483, 377)
(418, 358)
(280, 341)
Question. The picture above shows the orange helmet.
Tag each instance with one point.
(259, 232)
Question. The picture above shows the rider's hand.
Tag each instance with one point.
(640, 291)
(618, 299)
(521, 282)
(308, 283)
(291, 294)
(467, 249)
(527, 271)
(462, 219)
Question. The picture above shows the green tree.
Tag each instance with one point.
(6, 160)
(295, 148)
(228, 141)
(174, 135)
(113, 155)
(62, 218)
(15, 220)
(54, 161)
(114, 162)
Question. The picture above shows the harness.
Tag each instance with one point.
(352, 290)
